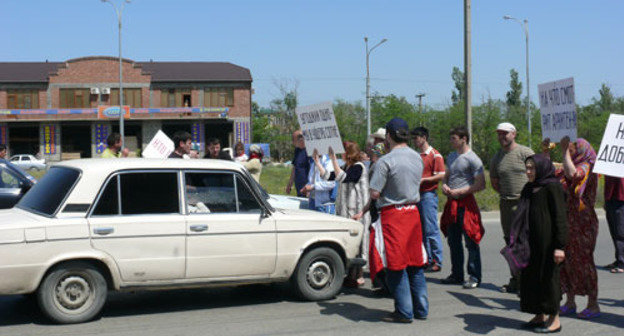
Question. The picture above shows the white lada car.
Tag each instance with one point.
(94, 225)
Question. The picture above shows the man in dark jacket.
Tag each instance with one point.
(215, 152)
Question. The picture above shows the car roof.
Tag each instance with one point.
(107, 166)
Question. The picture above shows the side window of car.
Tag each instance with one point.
(15, 159)
(25, 158)
(8, 179)
(108, 204)
(210, 192)
(246, 200)
(149, 193)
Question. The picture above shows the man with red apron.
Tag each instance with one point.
(399, 249)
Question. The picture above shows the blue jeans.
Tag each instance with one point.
(409, 288)
(428, 208)
(329, 208)
(455, 233)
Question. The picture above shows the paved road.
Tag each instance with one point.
(272, 310)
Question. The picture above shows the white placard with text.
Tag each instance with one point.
(160, 147)
(558, 109)
(319, 128)
(610, 160)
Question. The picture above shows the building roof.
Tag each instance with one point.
(195, 71)
(39, 72)
(27, 72)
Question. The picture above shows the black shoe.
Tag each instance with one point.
(451, 280)
(470, 284)
(509, 289)
(395, 317)
(545, 330)
(533, 325)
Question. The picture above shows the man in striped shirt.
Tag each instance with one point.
(433, 173)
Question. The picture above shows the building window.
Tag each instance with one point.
(132, 97)
(175, 98)
(22, 99)
(218, 97)
(75, 98)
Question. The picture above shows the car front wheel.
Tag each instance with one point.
(319, 274)
(72, 293)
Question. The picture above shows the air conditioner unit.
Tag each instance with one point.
(95, 91)
(106, 91)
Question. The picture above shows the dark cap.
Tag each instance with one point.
(397, 124)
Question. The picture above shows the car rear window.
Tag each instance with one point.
(46, 196)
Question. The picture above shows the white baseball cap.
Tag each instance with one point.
(506, 127)
(380, 134)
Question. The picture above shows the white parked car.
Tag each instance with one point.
(94, 225)
(27, 161)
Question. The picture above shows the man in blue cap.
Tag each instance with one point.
(398, 245)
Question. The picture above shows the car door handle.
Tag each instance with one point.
(199, 227)
(103, 231)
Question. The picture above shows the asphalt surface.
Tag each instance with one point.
(273, 310)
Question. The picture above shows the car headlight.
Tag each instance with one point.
(354, 232)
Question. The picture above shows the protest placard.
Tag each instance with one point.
(160, 147)
(319, 128)
(610, 159)
(558, 109)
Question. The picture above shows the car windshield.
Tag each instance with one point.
(48, 194)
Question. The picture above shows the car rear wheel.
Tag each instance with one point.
(319, 274)
(72, 293)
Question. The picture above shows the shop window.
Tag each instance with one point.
(74, 98)
(22, 99)
(218, 97)
(132, 97)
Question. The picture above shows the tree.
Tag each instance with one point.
(351, 121)
(605, 102)
(458, 79)
(285, 119)
(515, 89)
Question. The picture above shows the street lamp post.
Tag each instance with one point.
(525, 25)
(121, 100)
(368, 51)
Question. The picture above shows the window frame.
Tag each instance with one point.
(118, 174)
(234, 174)
(15, 96)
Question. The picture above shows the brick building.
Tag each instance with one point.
(56, 108)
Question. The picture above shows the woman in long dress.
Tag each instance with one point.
(352, 196)
(543, 209)
(578, 274)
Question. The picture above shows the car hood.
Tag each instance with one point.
(313, 216)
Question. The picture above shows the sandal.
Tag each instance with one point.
(565, 310)
(587, 314)
(616, 270)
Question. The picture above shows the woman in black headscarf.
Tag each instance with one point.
(541, 223)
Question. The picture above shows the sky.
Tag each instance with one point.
(318, 45)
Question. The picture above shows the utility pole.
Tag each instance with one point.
(525, 26)
(467, 69)
(368, 98)
(420, 96)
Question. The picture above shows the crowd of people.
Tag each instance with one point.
(547, 216)
(547, 213)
